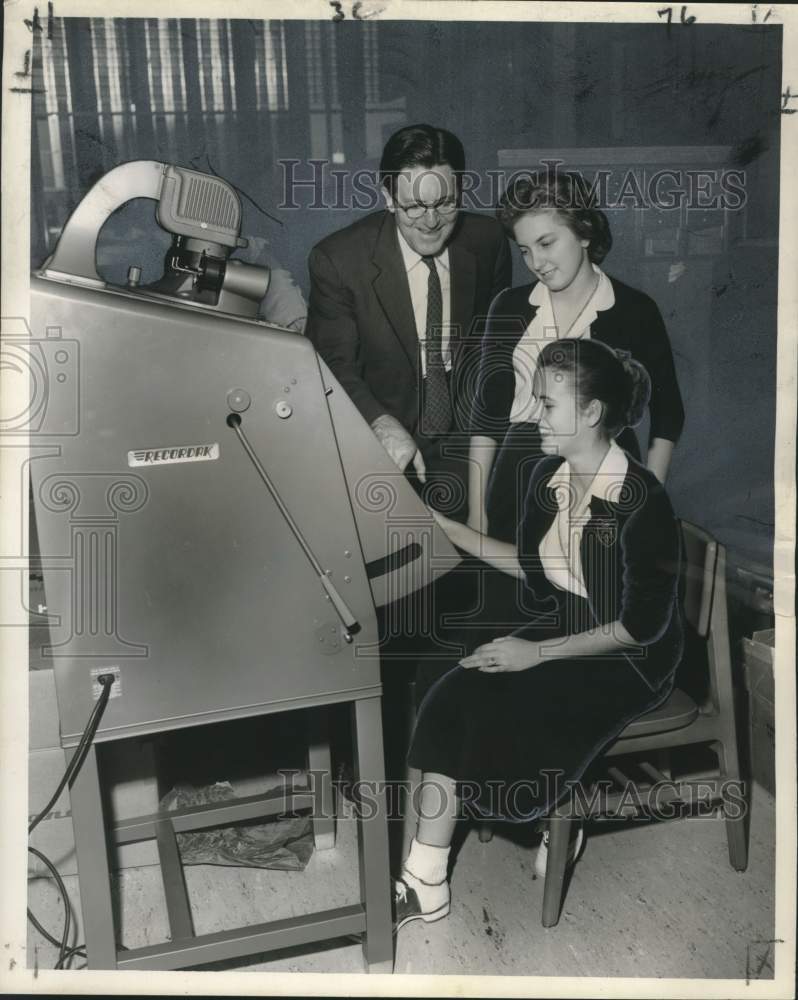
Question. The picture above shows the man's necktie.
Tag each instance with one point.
(437, 405)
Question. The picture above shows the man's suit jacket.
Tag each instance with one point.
(361, 317)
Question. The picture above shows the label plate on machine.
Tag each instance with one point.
(173, 455)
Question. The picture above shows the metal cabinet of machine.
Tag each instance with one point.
(216, 522)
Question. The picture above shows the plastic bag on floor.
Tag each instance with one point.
(285, 843)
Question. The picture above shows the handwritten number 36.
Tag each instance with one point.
(340, 13)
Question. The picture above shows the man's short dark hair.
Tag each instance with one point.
(420, 146)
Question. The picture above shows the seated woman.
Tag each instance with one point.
(508, 730)
(562, 240)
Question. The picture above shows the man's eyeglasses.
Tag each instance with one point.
(445, 209)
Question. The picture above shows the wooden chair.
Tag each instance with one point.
(680, 722)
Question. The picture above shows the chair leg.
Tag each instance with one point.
(320, 770)
(736, 811)
(559, 836)
(375, 883)
(662, 760)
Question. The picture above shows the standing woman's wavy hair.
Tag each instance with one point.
(568, 195)
(615, 379)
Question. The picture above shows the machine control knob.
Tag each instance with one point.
(133, 276)
(283, 409)
(238, 400)
(329, 638)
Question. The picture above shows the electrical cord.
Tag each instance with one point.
(43, 931)
(78, 950)
(62, 944)
(74, 766)
(106, 681)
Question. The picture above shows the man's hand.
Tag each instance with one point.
(398, 443)
(504, 655)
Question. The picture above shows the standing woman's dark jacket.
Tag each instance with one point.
(632, 324)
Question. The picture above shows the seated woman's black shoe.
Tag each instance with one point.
(408, 906)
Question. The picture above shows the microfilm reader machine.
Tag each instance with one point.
(217, 524)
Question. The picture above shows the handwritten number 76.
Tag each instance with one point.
(683, 16)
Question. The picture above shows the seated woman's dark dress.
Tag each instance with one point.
(631, 323)
(512, 741)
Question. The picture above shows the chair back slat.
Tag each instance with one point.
(700, 562)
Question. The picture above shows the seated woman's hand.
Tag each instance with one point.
(446, 523)
(504, 655)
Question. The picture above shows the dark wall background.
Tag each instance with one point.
(236, 97)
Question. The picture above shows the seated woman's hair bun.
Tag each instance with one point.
(639, 389)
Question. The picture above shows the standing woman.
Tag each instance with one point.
(562, 240)
(506, 731)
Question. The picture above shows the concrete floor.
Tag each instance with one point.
(653, 900)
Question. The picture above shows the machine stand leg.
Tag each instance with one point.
(381, 968)
(91, 849)
(375, 883)
(320, 763)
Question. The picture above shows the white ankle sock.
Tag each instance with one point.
(424, 871)
(426, 863)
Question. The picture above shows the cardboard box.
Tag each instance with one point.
(44, 730)
(130, 780)
(131, 791)
(763, 746)
(759, 660)
(53, 836)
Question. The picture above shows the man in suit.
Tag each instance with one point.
(396, 301)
